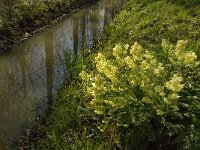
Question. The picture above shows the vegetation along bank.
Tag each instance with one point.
(140, 86)
(21, 19)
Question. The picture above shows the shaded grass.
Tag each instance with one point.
(19, 20)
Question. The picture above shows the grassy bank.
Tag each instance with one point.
(131, 98)
(21, 19)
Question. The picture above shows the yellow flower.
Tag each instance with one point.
(181, 44)
(85, 76)
(126, 125)
(135, 49)
(153, 62)
(106, 67)
(164, 44)
(144, 66)
(197, 63)
(160, 112)
(117, 50)
(142, 84)
(158, 88)
(133, 82)
(126, 46)
(94, 85)
(129, 61)
(162, 94)
(148, 55)
(98, 112)
(109, 102)
(189, 58)
(175, 83)
(166, 100)
(174, 96)
(158, 71)
(100, 57)
(101, 129)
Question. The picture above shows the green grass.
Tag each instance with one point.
(148, 22)
(72, 125)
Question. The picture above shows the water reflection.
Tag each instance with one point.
(33, 72)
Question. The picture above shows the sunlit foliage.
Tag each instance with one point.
(132, 88)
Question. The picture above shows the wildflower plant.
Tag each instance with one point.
(133, 88)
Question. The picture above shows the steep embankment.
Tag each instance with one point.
(148, 22)
(159, 108)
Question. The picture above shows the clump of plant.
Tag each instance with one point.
(140, 100)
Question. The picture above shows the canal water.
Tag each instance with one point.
(33, 71)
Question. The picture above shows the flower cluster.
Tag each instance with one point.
(133, 78)
(175, 83)
(106, 67)
(178, 54)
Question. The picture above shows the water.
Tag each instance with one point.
(32, 72)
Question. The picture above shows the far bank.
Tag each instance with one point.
(21, 19)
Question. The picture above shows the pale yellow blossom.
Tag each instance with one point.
(135, 49)
(160, 112)
(105, 67)
(159, 70)
(175, 83)
(174, 96)
(189, 58)
(85, 76)
(119, 52)
(126, 46)
(109, 102)
(144, 65)
(162, 94)
(166, 100)
(98, 112)
(129, 61)
(100, 57)
(181, 44)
